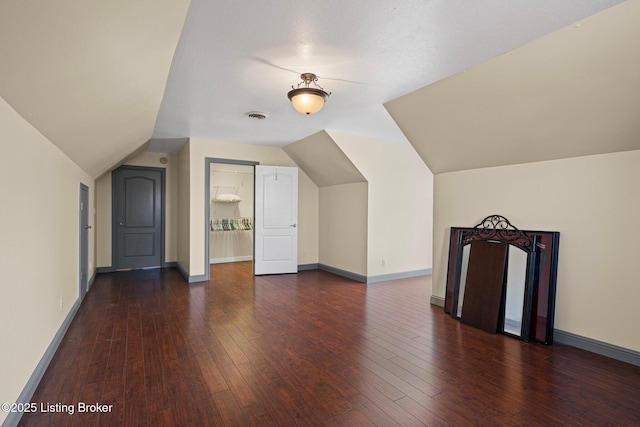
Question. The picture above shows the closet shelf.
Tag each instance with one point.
(226, 198)
(230, 224)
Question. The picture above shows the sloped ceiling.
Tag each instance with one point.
(101, 79)
(323, 161)
(572, 93)
(234, 58)
(89, 75)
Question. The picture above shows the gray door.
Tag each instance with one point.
(138, 204)
(84, 239)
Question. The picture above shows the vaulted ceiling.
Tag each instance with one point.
(572, 93)
(104, 79)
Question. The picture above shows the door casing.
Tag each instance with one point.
(207, 204)
(84, 240)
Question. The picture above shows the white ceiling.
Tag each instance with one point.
(235, 56)
(101, 79)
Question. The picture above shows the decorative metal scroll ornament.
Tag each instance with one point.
(497, 227)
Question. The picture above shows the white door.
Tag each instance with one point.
(276, 220)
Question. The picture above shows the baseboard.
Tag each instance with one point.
(91, 280)
(111, 269)
(304, 267)
(198, 279)
(401, 275)
(230, 259)
(13, 418)
(191, 279)
(343, 273)
(371, 279)
(602, 348)
(435, 300)
(183, 272)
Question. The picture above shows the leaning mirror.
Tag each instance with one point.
(502, 279)
(515, 290)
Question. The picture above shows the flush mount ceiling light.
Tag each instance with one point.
(306, 99)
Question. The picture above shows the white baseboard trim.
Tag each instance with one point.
(13, 418)
(230, 259)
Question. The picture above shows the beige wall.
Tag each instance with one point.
(343, 227)
(308, 220)
(594, 202)
(199, 149)
(400, 205)
(104, 206)
(103, 220)
(184, 207)
(39, 249)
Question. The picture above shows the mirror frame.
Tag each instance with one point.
(540, 282)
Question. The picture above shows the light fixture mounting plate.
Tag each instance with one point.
(308, 77)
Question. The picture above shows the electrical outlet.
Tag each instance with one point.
(383, 262)
(61, 303)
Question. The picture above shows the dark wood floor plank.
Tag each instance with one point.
(391, 408)
(277, 409)
(374, 412)
(365, 379)
(352, 418)
(113, 389)
(432, 415)
(157, 402)
(311, 349)
(135, 412)
(229, 371)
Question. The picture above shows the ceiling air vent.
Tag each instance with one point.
(256, 115)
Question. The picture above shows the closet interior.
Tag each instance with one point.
(231, 213)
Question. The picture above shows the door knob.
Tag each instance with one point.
(86, 227)
(294, 225)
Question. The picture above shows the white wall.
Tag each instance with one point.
(400, 205)
(594, 202)
(198, 151)
(343, 227)
(39, 248)
(104, 206)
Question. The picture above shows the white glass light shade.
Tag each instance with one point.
(307, 100)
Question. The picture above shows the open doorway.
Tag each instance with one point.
(231, 211)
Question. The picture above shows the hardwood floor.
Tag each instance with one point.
(311, 349)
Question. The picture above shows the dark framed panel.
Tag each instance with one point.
(538, 274)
